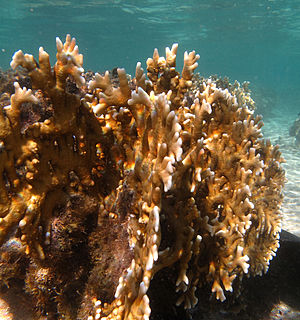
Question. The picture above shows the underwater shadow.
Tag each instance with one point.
(275, 295)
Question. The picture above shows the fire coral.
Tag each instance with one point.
(124, 178)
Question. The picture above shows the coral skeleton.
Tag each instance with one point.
(138, 175)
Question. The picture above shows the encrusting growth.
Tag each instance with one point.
(175, 168)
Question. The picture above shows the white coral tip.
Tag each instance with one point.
(59, 45)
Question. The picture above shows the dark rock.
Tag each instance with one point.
(275, 295)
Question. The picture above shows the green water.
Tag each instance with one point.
(245, 40)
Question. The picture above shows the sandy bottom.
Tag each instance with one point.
(277, 130)
(5, 310)
(282, 311)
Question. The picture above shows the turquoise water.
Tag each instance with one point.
(252, 40)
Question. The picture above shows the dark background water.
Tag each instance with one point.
(254, 40)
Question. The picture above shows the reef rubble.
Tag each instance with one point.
(116, 184)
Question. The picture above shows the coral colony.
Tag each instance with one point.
(105, 184)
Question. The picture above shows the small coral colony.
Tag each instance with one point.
(106, 180)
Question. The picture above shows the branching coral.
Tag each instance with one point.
(37, 165)
(180, 174)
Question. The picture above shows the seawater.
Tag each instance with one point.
(246, 40)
